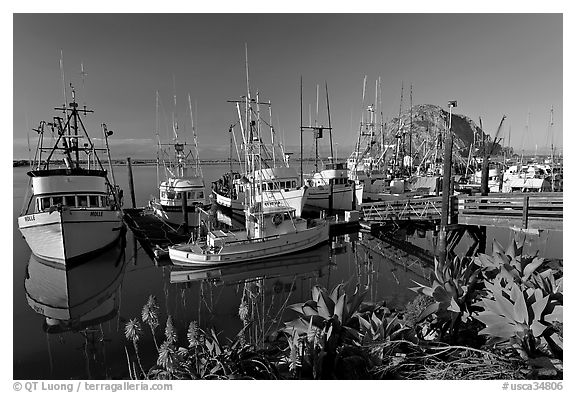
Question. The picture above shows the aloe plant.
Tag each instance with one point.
(385, 328)
(524, 300)
(517, 315)
(453, 291)
(326, 324)
(510, 265)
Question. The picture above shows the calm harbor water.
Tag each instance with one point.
(100, 295)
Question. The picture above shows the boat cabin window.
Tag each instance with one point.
(93, 200)
(69, 200)
(56, 200)
(103, 201)
(44, 203)
(83, 200)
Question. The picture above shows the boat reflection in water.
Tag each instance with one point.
(78, 300)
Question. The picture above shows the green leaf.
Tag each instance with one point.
(340, 308)
(497, 248)
(486, 261)
(325, 305)
(539, 305)
(556, 315)
(537, 328)
(431, 309)
(316, 290)
(441, 295)
(520, 310)
(310, 308)
(503, 330)
(363, 322)
(422, 289)
(337, 292)
(355, 302)
(454, 307)
(531, 267)
(488, 318)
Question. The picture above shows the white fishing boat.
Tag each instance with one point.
(74, 209)
(269, 232)
(183, 182)
(332, 187)
(272, 227)
(328, 188)
(280, 182)
(279, 187)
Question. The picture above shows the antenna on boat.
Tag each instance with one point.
(174, 119)
(83, 75)
(194, 136)
(62, 75)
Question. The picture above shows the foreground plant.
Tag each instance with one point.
(453, 291)
(326, 337)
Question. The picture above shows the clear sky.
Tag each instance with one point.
(492, 64)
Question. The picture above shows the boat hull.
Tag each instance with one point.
(67, 236)
(249, 250)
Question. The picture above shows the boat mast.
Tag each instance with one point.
(551, 132)
(315, 136)
(399, 132)
(159, 145)
(329, 121)
(198, 168)
(410, 135)
(301, 138)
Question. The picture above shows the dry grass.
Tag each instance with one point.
(405, 360)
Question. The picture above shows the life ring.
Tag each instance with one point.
(277, 219)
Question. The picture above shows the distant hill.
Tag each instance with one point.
(431, 120)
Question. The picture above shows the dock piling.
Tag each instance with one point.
(131, 182)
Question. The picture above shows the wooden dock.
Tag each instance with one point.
(538, 211)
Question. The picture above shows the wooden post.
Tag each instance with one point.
(445, 197)
(184, 211)
(353, 195)
(331, 198)
(484, 178)
(131, 182)
(525, 212)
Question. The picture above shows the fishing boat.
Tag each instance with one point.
(272, 227)
(73, 209)
(331, 187)
(279, 187)
(183, 182)
(280, 182)
(328, 188)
